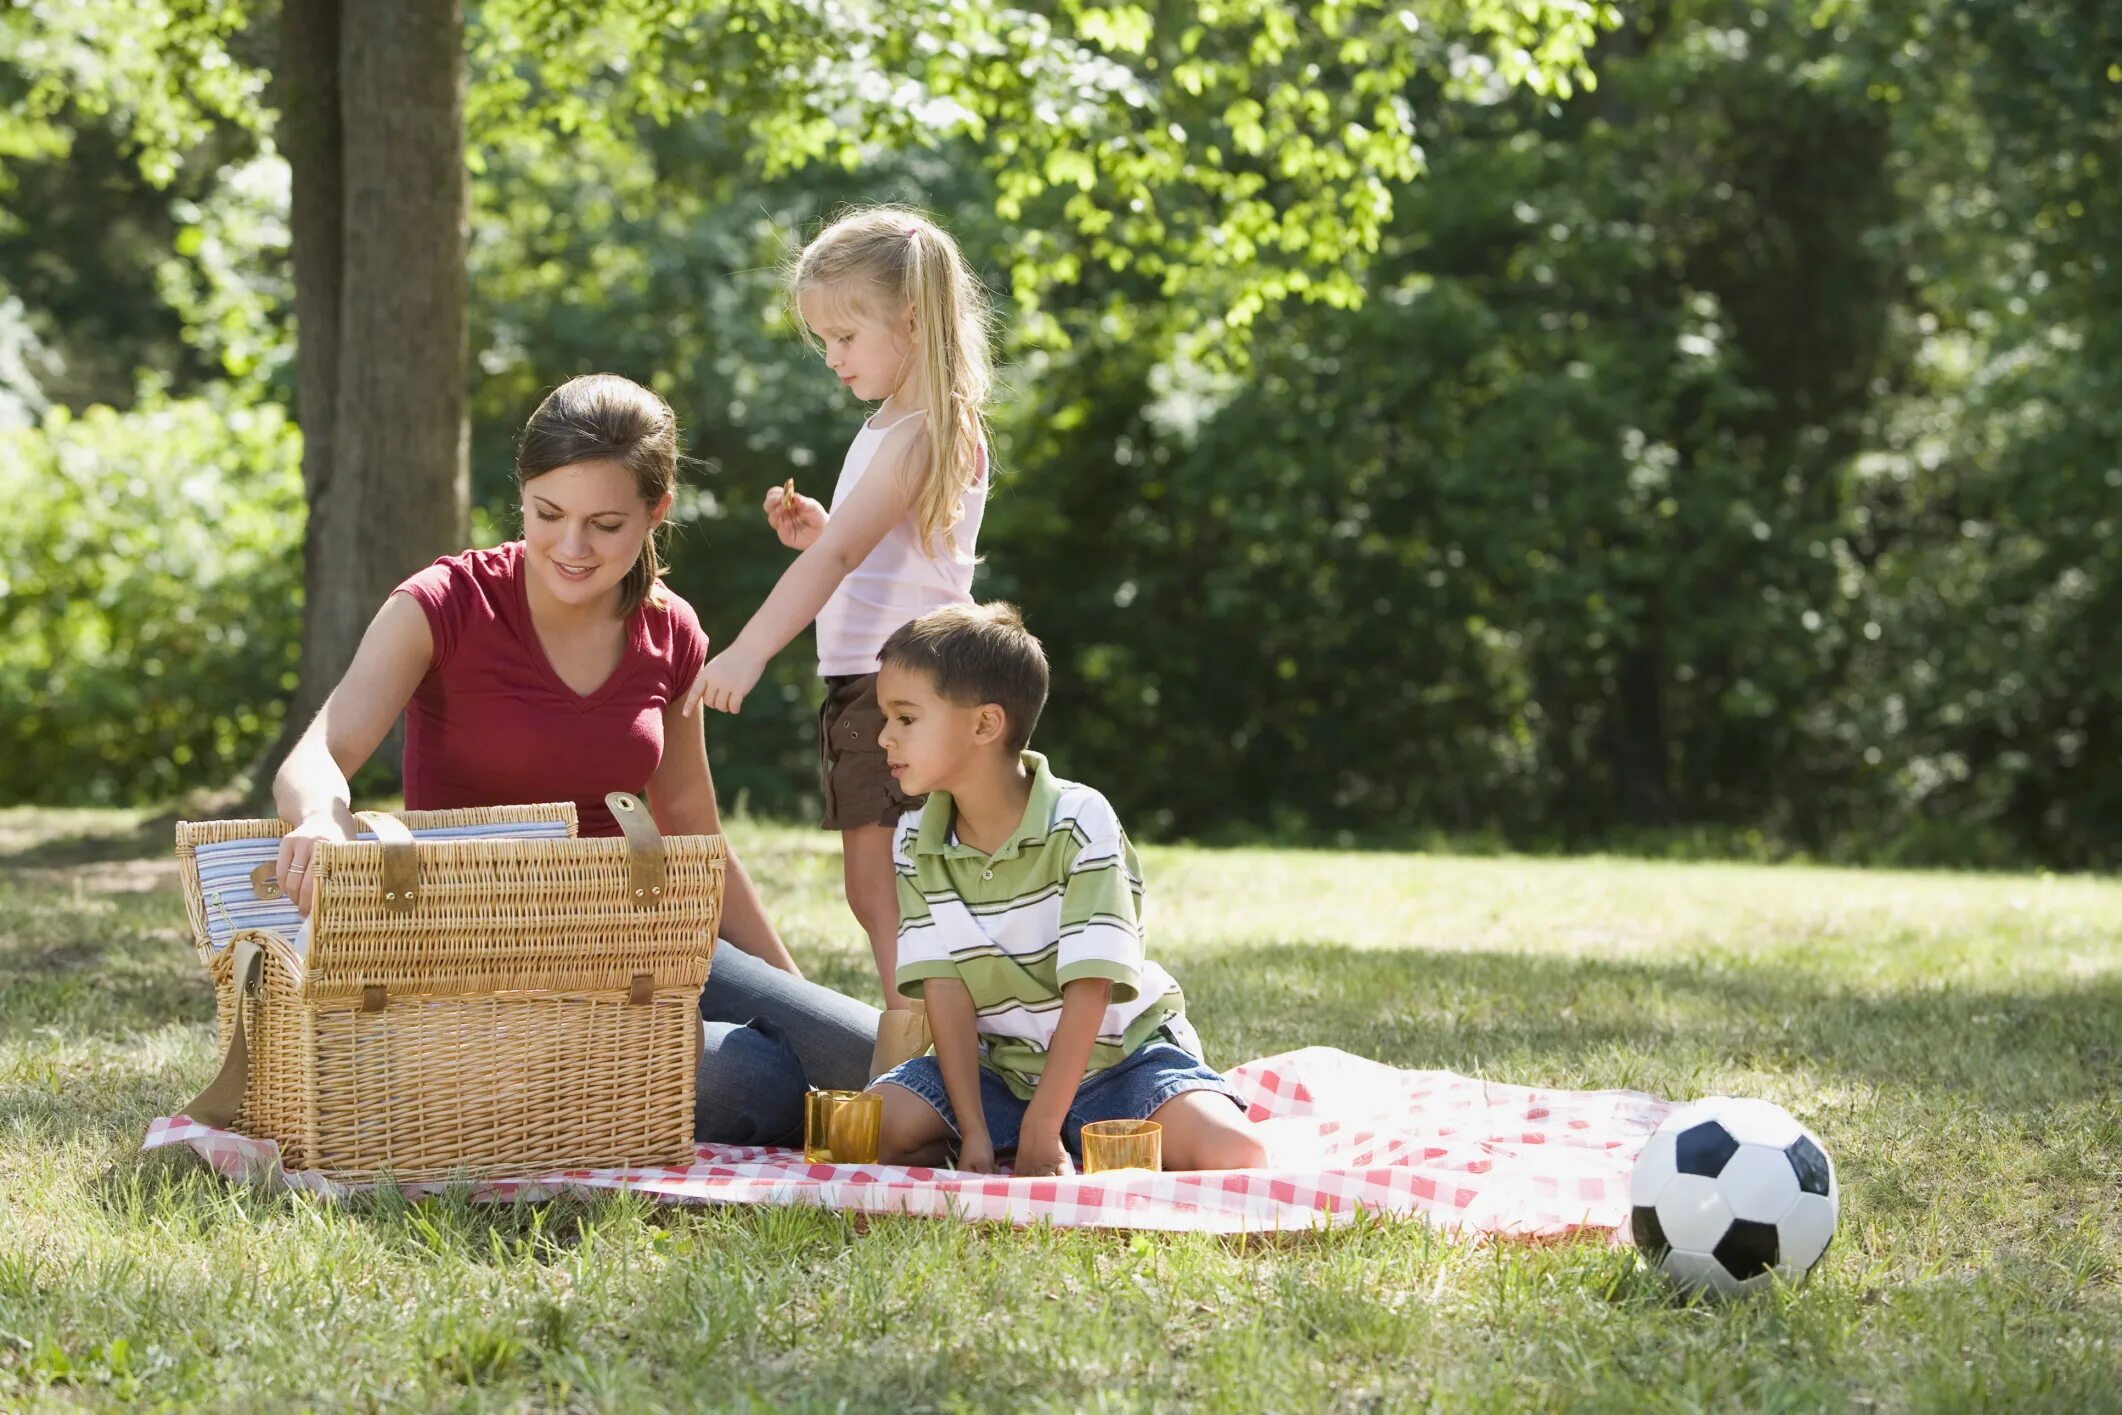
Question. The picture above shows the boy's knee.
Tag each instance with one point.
(1241, 1151)
(908, 1127)
(1204, 1131)
(1226, 1150)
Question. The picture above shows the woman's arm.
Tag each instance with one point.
(310, 789)
(681, 796)
(851, 533)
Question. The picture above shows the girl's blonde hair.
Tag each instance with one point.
(879, 260)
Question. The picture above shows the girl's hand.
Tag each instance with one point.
(722, 684)
(797, 519)
(292, 868)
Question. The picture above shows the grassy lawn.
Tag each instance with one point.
(1956, 1040)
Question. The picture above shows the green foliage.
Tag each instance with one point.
(1233, 156)
(1668, 475)
(168, 70)
(1539, 537)
(2000, 689)
(149, 596)
(137, 211)
(81, 235)
(1403, 434)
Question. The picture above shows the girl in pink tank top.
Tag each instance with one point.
(888, 300)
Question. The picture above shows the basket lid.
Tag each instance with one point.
(220, 862)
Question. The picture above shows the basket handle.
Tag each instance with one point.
(644, 849)
(221, 1101)
(401, 859)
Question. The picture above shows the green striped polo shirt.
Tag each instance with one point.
(1060, 900)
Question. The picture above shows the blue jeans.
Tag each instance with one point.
(1131, 1089)
(768, 1037)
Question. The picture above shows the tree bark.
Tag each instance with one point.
(373, 126)
(1637, 746)
(306, 90)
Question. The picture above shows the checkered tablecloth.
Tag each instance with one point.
(1344, 1136)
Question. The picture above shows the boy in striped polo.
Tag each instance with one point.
(1020, 926)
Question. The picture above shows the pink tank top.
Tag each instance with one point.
(896, 583)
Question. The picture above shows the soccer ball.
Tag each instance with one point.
(1729, 1191)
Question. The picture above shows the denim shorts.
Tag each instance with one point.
(1132, 1090)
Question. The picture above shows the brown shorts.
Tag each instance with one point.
(852, 768)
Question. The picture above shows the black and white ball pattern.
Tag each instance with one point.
(1730, 1191)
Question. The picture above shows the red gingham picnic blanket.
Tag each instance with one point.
(1344, 1136)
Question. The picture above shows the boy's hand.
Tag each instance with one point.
(722, 684)
(976, 1154)
(797, 519)
(1039, 1149)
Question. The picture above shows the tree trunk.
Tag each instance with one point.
(1636, 742)
(373, 127)
(306, 90)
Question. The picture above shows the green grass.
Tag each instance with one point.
(1956, 1040)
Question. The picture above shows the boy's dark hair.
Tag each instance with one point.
(977, 653)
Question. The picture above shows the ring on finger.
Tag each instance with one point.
(297, 869)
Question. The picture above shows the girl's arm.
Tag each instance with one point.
(310, 790)
(851, 533)
(681, 796)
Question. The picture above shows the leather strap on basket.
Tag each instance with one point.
(265, 881)
(221, 1101)
(401, 859)
(644, 849)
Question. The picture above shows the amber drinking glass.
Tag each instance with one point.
(840, 1127)
(1122, 1144)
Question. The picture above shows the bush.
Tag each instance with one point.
(150, 596)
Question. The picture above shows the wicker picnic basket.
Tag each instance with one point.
(475, 992)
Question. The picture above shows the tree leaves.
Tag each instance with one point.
(1238, 158)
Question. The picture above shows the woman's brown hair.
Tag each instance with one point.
(601, 417)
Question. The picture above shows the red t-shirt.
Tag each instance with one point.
(493, 725)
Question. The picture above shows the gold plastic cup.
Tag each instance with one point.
(852, 1128)
(1122, 1144)
(840, 1127)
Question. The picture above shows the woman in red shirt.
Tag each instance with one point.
(551, 668)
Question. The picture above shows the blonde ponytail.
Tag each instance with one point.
(907, 260)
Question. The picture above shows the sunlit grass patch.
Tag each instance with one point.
(1956, 1040)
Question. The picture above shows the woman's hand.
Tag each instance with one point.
(722, 684)
(293, 866)
(799, 520)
